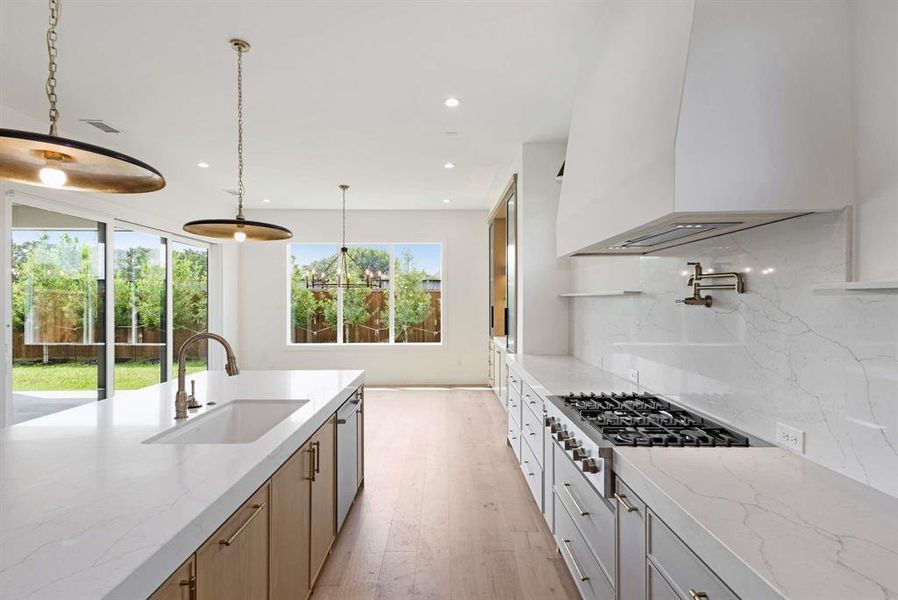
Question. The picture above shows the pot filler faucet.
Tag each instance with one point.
(182, 400)
(696, 299)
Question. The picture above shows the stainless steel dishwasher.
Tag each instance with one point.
(349, 437)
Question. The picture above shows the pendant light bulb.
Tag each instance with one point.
(52, 175)
(240, 236)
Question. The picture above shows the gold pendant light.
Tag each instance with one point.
(239, 228)
(51, 161)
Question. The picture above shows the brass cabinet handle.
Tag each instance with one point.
(628, 507)
(698, 595)
(191, 586)
(258, 508)
(312, 461)
(570, 494)
(570, 553)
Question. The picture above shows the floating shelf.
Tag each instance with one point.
(889, 285)
(600, 293)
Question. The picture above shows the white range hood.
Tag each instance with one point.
(695, 119)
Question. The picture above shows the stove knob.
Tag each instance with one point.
(550, 421)
(570, 443)
(590, 466)
(555, 427)
(561, 435)
(580, 453)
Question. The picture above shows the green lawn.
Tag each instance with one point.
(83, 376)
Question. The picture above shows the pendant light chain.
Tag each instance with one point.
(344, 213)
(51, 54)
(240, 188)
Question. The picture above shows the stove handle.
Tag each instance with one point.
(570, 553)
(567, 488)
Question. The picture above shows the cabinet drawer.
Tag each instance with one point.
(514, 406)
(589, 511)
(659, 589)
(514, 438)
(532, 401)
(514, 381)
(233, 562)
(532, 429)
(685, 571)
(533, 473)
(588, 575)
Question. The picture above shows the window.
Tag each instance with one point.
(58, 311)
(190, 302)
(403, 305)
(140, 309)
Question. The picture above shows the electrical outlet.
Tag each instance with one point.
(634, 375)
(790, 437)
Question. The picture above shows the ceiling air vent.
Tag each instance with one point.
(101, 125)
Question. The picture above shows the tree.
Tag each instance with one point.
(139, 289)
(54, 287)
(190, 293)
(412, 301)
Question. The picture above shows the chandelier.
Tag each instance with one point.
(338, 273)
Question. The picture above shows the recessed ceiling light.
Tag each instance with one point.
(203, 165)
(449, 165)
(452, 102)
(266, 200)
(446, 200)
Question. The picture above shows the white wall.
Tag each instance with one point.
(462, 357)
(542, 318)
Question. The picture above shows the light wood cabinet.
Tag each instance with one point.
(275, 545)
(291, 495)
(324, 494)
(233, 563)
(180, 586)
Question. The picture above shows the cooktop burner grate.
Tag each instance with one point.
(646, 420)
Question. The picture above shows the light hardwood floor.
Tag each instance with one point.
(445, 512)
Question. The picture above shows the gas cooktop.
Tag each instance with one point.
(646, 420)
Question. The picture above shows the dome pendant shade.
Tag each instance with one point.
(87, 168)
(256, 231)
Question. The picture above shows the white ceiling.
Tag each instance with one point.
(335, 92)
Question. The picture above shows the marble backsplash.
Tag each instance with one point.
(826, 363)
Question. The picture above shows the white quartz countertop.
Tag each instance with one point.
(771, 523)
(88, 511)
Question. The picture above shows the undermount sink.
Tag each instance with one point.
(237, 422)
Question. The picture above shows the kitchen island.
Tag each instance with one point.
(89, 509)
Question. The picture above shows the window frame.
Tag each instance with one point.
(340, 343)
(49, 203)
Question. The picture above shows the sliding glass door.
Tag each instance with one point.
(140, 309)
(190, 302)
(66, 344)
(58, 311)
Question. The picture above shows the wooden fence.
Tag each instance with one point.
(71, 351)
(375, 330)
